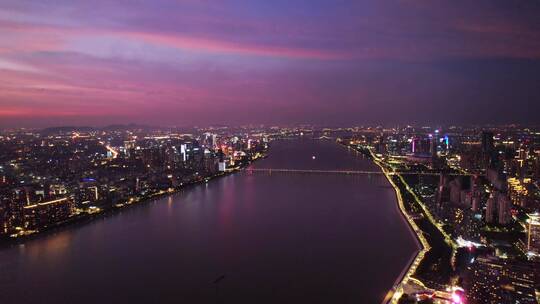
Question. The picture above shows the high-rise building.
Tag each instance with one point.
(415, 143)
(484, 282)
(537, 165)
(490, 208)
(183, 152)
(47, 213)
(4, 216)
(443, 191)
(214, 141)
(533, 234)
(455, 191)
(497, 179)
(489, 157)
(88, 193)
(433, 145)
(222, 166)
(494, 280)
(504, 205)
(209, 140)
(475, 201)
(130, 144)
(487, 143)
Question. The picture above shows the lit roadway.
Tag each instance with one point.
(406, 276)
(110, 149)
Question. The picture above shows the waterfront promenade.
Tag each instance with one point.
(407, 274)
(406, 282)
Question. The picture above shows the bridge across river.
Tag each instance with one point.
(345, 172)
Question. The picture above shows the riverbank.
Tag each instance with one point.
(435, 248)
(280, 238)
(407, 274)
(87, 217)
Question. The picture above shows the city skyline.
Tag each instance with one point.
(433, 215)
(241, 62)
(285, 151)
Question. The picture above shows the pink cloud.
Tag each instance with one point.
(221, 46)
(14, 112)
(53, 38)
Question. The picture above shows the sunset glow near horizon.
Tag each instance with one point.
(203, 62)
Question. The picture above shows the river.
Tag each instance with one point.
(264, 238)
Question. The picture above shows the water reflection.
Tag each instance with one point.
(277, 238)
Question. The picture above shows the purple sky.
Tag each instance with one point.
(259, 61)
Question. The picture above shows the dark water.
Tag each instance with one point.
(280, 238)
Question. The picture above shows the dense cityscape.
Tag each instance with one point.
(54, 176)
(470, 194)
(285, 151)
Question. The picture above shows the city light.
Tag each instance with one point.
(298, 151)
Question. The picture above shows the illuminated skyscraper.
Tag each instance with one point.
(490, 208)
(214, 141)
(183, 152)
(433, 145)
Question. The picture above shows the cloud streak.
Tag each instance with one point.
(203, 61)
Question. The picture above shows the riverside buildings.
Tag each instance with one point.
(480, 189)
(56, 176)
(474, 193)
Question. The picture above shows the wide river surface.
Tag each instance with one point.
(264, 238)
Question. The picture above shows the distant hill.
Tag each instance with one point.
(66, 129)
(116, 127)
(120, 127)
